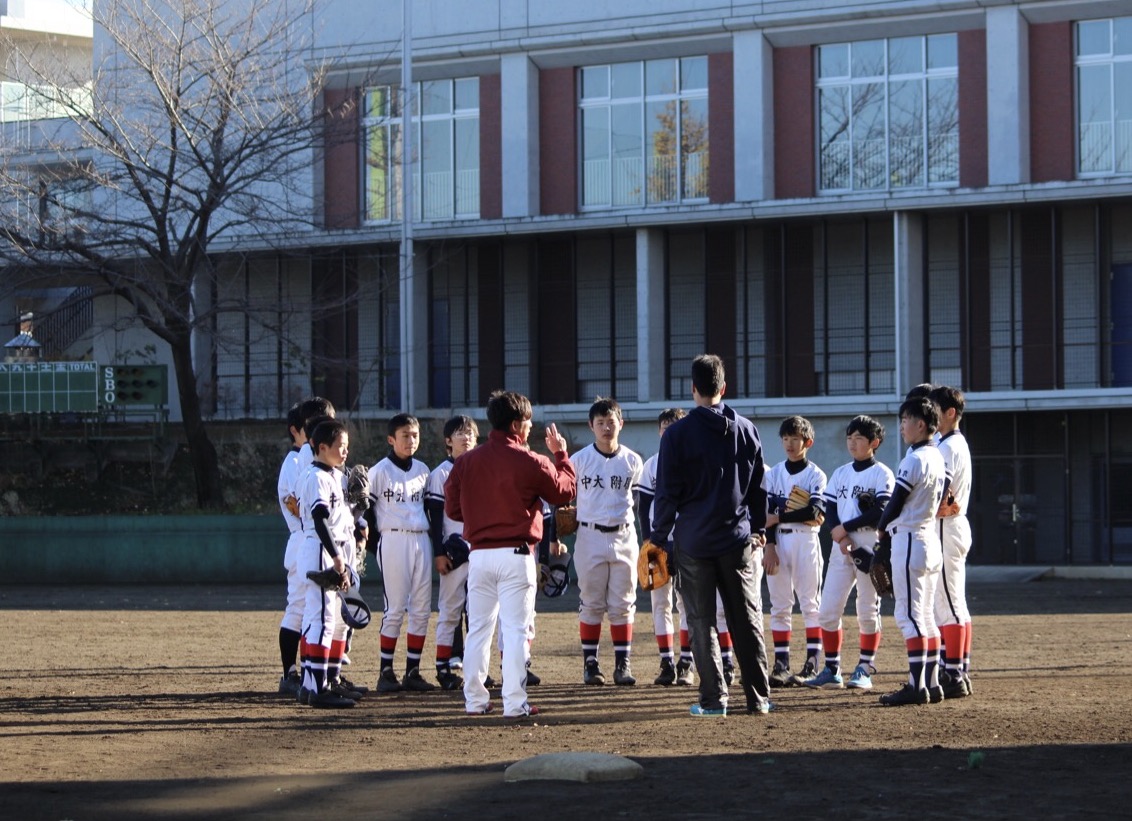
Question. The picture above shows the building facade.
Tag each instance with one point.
(841, 200)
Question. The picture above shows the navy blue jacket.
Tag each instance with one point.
(710, 471)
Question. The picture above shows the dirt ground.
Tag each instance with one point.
(159, 703)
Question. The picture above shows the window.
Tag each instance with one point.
(644, 132)
(1103, 55)
(446, 151)
(453, 328)
(889, 113)
(606, 317)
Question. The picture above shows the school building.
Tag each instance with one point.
(840, 199)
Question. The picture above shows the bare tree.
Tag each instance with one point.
(199, 129)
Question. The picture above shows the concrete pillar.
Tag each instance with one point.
(520, 149)
(911, 293)
(754, 116)
(1008, 96)
(652, 345)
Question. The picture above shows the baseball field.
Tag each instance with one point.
(159, 703)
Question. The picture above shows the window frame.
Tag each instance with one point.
(1109, 59)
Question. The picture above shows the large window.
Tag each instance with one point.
(1104, 96)
(644, 132)
(446, 151)
(607, 317)
(889, 113)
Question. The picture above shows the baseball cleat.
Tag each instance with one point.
(862, 678)
(667, 675)
(707, 712)
(953, 686)
(967, 681)
(489, 682)
(449, 680)
(289, 684)
(623, 674)
(592, 673)
(808, 671)
(303, 696)
(905, 695)
(827, 679)
(415, 682)
(357, 688)
(935, 694)
(781, 676)
(532, 679)
(387, 682)
(339, 688)
(330, 699)
(728, 673)
(684, 675)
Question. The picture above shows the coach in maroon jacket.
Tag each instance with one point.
(496, 490)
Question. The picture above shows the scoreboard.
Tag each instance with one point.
(80, 387)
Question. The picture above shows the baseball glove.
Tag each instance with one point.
(880, 572)
(948, 507)
(865, 500)
(652, 566)
(357, 488)
(566, 520)
(456, 549)
(800, 498)
(329, 579)
(862, 558)
(292, 504)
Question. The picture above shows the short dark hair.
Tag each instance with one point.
(796, 426)
(315, 406)
(671, 415)
(866, 426)
(924, 389)
(604, 406)
(326, 433)
(949, 398)
(708, 375)
(294, 420)
(312, 423)
(921, 408)
(505, 407)
(460, 422)
(402, 420)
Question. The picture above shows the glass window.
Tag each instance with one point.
(889, 113)
(445, 151)
(644, 133)
(1104, 97)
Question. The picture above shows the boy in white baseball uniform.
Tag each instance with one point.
(792, 556)
(854, 499)
(460, 433)
(404, 555)
(606, 549)
(328, 536)
(909, 518)
(951, 612)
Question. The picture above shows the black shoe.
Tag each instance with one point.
(303, 696)
(290, 684)
(532, 679)
(449, 680)
(905, 695)
(623, 674)
(667, 675)
(387, 682)
(809, 670)
(413, 680)
(593, 674)
(781, 676)
(330, 699)
(339, 688)
(684, 675)
(935, 694)
(357, 688)
(967, 681)
(489, 682)
(728, 673)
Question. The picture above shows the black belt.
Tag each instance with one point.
(604, 528)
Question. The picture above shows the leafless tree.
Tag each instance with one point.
(197, 130)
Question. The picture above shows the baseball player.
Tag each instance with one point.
(460, 433)
(404, 555)
(328, 536)
(793, 558)
(854, 499)
(606, 549)
(294, 466)
(661, 597)
(951, 612)
(910, 519)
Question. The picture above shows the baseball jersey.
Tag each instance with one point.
(434, 492)
(606, 484)
(648, 493)
(778, 482)
(288, 485)
(922, 474)
(398, 495)
(957, 464)
(847, 484)
(322, 486)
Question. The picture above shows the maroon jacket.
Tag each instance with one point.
(497, 488)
